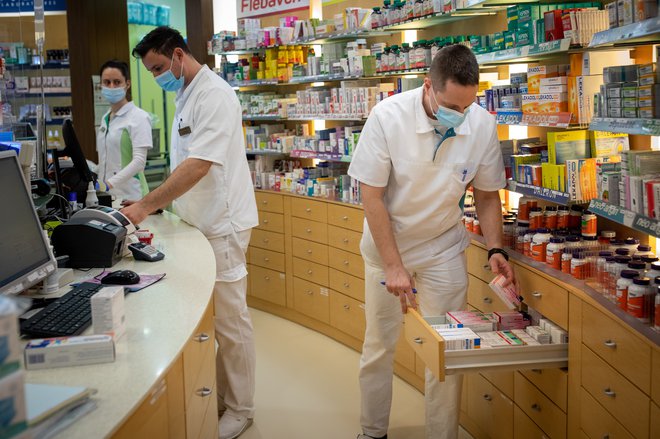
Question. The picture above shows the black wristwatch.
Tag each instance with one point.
(501, 251)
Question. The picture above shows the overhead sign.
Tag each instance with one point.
(257, 8)
(13, 6)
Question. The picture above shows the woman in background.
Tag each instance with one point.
(123, 138)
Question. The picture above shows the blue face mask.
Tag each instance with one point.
(168, 81)
(113, 95)
(447, 117)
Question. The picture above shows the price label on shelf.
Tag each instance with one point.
(647, 225)
(649, 127)
(560, 120)
(505, 117)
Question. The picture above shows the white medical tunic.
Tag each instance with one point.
(118, 141)
(424, 188)
(208, 126)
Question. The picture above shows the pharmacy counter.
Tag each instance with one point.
(163, 379)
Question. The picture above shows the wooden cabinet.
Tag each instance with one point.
(547, 297)
(151, 418)
(273, 222)
(267, 240)
(310, 230)
(489, 408)
(310, 251)
(524, 427)
(596, 422)
(482, 297)
(346, 217)
(552, 382)
(344, 239)
(539, 408)
(347, 262)
(311, 299)
(269, 202)
(268, 285)
(347, 315)
(267, 259)
(309, 209)
(346, 284)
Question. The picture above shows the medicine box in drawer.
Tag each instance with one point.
(430, 347)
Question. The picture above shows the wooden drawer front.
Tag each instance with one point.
(623, 400)
(346, 284)
(267, 240)
(552, 382)
(150, 419)
(347, 262)
(273, 222)
(176, 397)
(426, 342)
(310, 251)
(477, 263)
(201, 397)
(199, 346)
(596, 422)
(490, 408)
(346, 217)
(482, 297)
(655, 376)
(209, 428)
(655, 421)
(311, 299)
(311, 230)
(310, 271)
(525, 428)
(539, 408)
(618, 346)
(347, 315)
(344, 239)
(544, 296)
(502, 380)
(308, 209)
(268, 285)
(270, 202)
(267, 259)
(404, 355)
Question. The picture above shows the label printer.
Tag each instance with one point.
(93, 237)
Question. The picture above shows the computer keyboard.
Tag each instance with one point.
(70, 314)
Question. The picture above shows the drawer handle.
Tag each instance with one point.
(347, 307)
(201, 338)
(309, 251)
(264, 202)
(265, 221)
(536, 294)
(487, 397)
(609, 392)
(308, 230)
(347, 285)
(610, 344)
(309, 292)
(345, 262)
(488, 300)
(418, 340)
(487, 267)
(309, 271)
(539, 371)
(308, 210)
(345, 218)
(204, 392)
(536, 407)
(345, 240)
(266, 241)
(266, 259)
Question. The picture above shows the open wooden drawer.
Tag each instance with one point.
(430, 347)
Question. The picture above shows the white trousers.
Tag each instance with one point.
(441, 287)
(236, 357)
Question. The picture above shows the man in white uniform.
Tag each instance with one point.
(417, 154)
(211, 188)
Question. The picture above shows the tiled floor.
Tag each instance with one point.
(307, 387)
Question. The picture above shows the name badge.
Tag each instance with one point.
(184, 131)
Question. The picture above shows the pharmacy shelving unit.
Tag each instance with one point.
(642, 127)
(628, 218)
(305, 265)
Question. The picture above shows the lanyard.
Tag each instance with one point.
(448, 134)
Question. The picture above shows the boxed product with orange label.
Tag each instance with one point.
(535, 74)
(530, 103)
(553, 102)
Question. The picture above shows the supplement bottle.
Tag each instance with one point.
(566, 259)
(601, 268)
(643, 250)
(562, 217)
(553, 252)
(638, 299)
(622, 285)
(589, 224)
(550, 218)
(536, 218)
(539, 244)
(631, 244)
(579, 266)
(575, 217)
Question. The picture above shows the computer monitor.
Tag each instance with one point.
(72, 149)
(25, 258)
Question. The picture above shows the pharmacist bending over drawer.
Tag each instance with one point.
(212, 190)
(417, 154)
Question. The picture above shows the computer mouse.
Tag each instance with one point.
(121, 277)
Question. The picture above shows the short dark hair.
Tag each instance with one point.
(454, 63)
(116, 64)
(162, 40)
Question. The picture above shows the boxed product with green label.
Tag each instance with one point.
(509, 39)
(528, 12)
(512, 18)
(497, 41)
(525, 34)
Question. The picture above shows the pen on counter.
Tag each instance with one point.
(413, 290)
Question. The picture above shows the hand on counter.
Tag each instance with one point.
(134, 211)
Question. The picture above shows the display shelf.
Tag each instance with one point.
(647, 127)
(542, 193)
(322, 78)
(422, 71)
(350, 118)
(47, 94)
(514, 117)
(320, 156)
(50, 65)
(618, 214)
(524, 53)
(647, 32)
(439, 18)
(253, 82)
(264, 152)
(264, 117)
(337, 37)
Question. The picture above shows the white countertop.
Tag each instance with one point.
(160, 320)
